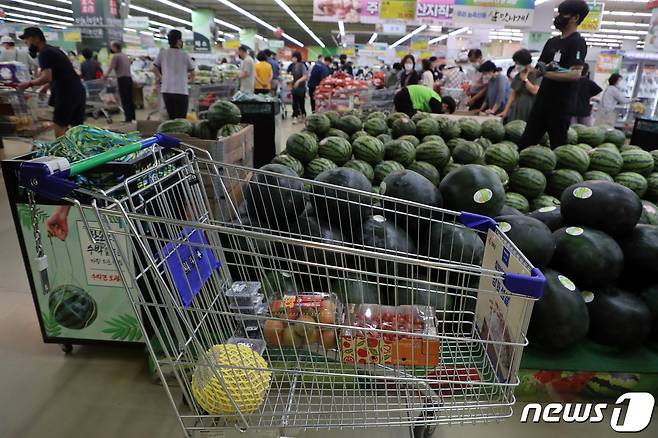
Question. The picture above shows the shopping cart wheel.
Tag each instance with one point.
(66, 348)
(423, 431)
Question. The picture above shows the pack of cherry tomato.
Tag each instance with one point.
(403, 335)
(297, 318)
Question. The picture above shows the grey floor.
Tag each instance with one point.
(102, 392)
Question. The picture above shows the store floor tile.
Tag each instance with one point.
(107, 392)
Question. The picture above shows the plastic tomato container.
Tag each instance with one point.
(390, 335)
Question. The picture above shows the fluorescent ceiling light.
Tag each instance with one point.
(128, 29)
(458, 31)
(372, 38)
(175, 5)
(539, 2)
(229, 35)
(16, 20)
(68, 2)
(251, 16)
(303, 25)
(444, 37)
(160, 14)
(39, 5)
(624, 23)
(30, 11)
(37, 19)
(227, 24)
(409, 35)
(145, 32)
(341, 28)
(627, 13)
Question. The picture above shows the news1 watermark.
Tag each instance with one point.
(638, 412)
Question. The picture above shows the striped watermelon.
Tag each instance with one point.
(449, 128)
(560, 180)
(384, 138)
(72, 307)
(502, 174)
(528, 182)
(654, 154)
(223, 112)
(403, 126)
(633, 181)
(290, 162)
(450, 167)
(401, 151)
(649, 213)
(454, 142)
(411, 139)
(334, 118)
(419, 116)
(318, 123)
(432, 138)
(493, 130)
(350, 124)
(470, 129)
(377, 115)
(336, 149)
(652, 187)
(317, 166)
(597, 175)
(228, 130)
(538, 157)
(587, 148)
(543, 201)
(502, 155)
(572, 157)
(357, 134)
(510, 144)
(384, 168)
(514, 130)
(302, 147)
(312, 134)
(518, 201)
(628, 147)
(608, 146)
(363, 167)
(393, 117)
(427, 170)
(484, 142)
(333, 132)
(427, 126)
(606, 160)
(572, 136)
(375, 126)
(615, 136)
(434, 152)
(592, 135)
(368, 149)
(637, 160)
(468, 153)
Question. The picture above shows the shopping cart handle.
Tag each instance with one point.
(477, 221)
(532, 286)
(48, 176)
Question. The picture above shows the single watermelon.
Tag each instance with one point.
(531, 236)
(401, 151)
(403, 126)
(473, 188)
(468, 153)
(176, 126)
(350, 124)
(433, 152)
(649, 213)
(274, 199)
(633, 181)
(204, 130)
(606, 160)
(652, 187)
(384, 138)
(316, 166)
(449, 129)
(334, 118)
(618, 318)
(493, 129)
(302, 146)
(72, 307)
(538, 157)
(368, 149)
(228, 130)
(528, 182)
(223, 113)
(561, 179)
(455, 243)
(502, 174)
(336, 149)
(334, 132)
(572, 157)
(637, 160)
(597, 175)
(517, 202)
(363, 167)
(615, 136)
(358, 134)
(386, 167)
(470, 128)
(318, 123)
(640, 249)
(381, 235)
(410, 138)
(290, 162)
(502, 155)
(427, 126)
(427, 170)
(592, 135)
(549, 215)
(543, 201)
(375, 126)
(514, 130)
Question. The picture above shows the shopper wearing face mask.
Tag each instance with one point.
(497, 89)
(409, 75)
(524, 87)
(560, 63)
(477, 88)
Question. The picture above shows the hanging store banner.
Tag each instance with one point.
(275, 44)
(248, 37)
(369, 11)
(233, 43)
(72, 35)
(651, 40)
(137, 23)
(592, 22)
(434, 11)
(496, 13)
(99, 22)
(419, 45)
(397, 10)
(202, 27)
(336, 10)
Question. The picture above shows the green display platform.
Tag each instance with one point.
(587, 371)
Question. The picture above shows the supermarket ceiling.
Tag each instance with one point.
(623, 19)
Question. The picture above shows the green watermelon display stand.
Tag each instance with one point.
(588, 371)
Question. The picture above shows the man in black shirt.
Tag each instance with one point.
(561, 62)
(67, 92)
(587, 89)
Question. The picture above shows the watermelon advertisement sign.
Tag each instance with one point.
(80, 296)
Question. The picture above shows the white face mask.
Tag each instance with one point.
(408, 67)
(486, 79)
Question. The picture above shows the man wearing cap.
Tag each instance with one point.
(66, 90)
(10, 53)
(561, 62)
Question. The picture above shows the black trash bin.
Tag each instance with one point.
(266, 118)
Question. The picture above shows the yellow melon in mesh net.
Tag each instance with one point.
(247, 387)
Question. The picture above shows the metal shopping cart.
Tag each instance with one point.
(203, 95)
(20, 113)
(376, 99)
(102, 98)
(439, 342)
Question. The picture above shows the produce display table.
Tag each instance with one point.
(266, 118)
(587, 371)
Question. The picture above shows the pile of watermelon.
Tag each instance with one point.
(223, 120)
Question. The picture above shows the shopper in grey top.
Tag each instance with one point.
(298, 90)
(612, 96)
(247, 71)
(174, 69)
(120, 63)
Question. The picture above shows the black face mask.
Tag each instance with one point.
(33, 50)
(560, 22)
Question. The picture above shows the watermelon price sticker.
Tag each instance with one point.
(482, 196)
(566, 282)
(582, 192)
(575, 231)
(504, 226)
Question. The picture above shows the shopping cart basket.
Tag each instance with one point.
(439, 343)
(18, 113)
(102, 98)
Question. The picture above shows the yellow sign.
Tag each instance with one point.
(426, 55)
(72, 36)
(592, 22)
(397, 10)
(419, 45)
(401, 53)
(231, 44)
(349, 51)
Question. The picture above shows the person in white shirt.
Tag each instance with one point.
(427, 78)
(612, 96)
(247, 70)
(10, 53)
(175, 70)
